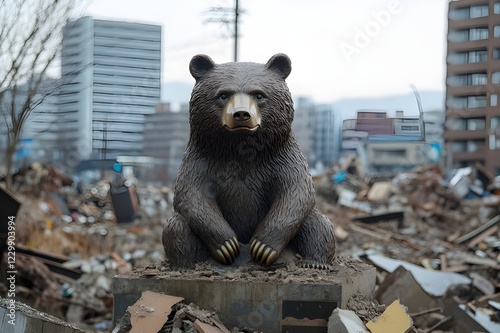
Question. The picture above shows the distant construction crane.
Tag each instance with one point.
(222, 15)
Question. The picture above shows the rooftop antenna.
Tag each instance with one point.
(420, 111)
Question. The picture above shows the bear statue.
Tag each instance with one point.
(243, 178)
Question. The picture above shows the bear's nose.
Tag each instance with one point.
(241, 115)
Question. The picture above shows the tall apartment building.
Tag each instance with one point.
(472, 132)
(112, 74)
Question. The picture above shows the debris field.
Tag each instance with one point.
(433, 238)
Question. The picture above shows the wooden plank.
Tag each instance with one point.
(479, 230)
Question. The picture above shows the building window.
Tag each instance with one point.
(458, 36)
(478, 11)
(471, 34)
(476, 124)
(458, 146)
(467, 102)
(496, 31)
(494, 137)
(478, 33)
(459, 14)
(494, 142)
(495, 124)
(409, 128)
(456, 103)
(456, 124)
(477, 56)
(495, 78)
(476, 79)
(469, 57)
(496, 8)
(475, 145)
(493, 100)
(468, 12)
(476, 101)
(470, 146)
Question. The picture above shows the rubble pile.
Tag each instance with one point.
(155, 312)
(69, 243)
(440, 231)
(434, 239)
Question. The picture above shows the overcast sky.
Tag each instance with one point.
(339, 48)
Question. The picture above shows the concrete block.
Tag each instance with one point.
(301, 304)
(345, 321)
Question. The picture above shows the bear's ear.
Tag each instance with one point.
(200, 65)
(281, 64)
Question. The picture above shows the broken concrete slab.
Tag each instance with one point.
(434, 283)
(149, 313)
(465, 321)
(401, 285)
(345, 321)
(393, 320)
(482, 318)
(17, 317)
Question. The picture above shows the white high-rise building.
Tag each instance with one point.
(111, 72)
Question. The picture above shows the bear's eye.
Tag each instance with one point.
(223, 97)
(259, 96)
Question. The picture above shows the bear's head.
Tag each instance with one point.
(235, 101)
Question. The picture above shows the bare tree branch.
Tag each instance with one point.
(30, 42)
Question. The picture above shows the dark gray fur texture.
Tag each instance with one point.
(253, 187)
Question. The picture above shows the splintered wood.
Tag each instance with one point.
(393, 320)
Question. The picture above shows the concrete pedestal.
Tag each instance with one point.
(301, 300)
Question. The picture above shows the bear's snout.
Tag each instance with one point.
(241, 113)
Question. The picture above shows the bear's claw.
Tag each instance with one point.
(312, 264)
(263, 253)
(228, 251)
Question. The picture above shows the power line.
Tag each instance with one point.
(223, 15)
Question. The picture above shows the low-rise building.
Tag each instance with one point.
(387, 144)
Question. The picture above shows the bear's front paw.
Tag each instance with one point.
(263, 253)
(228, 251)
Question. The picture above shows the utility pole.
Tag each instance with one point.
(222, 15)
(236, 14)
